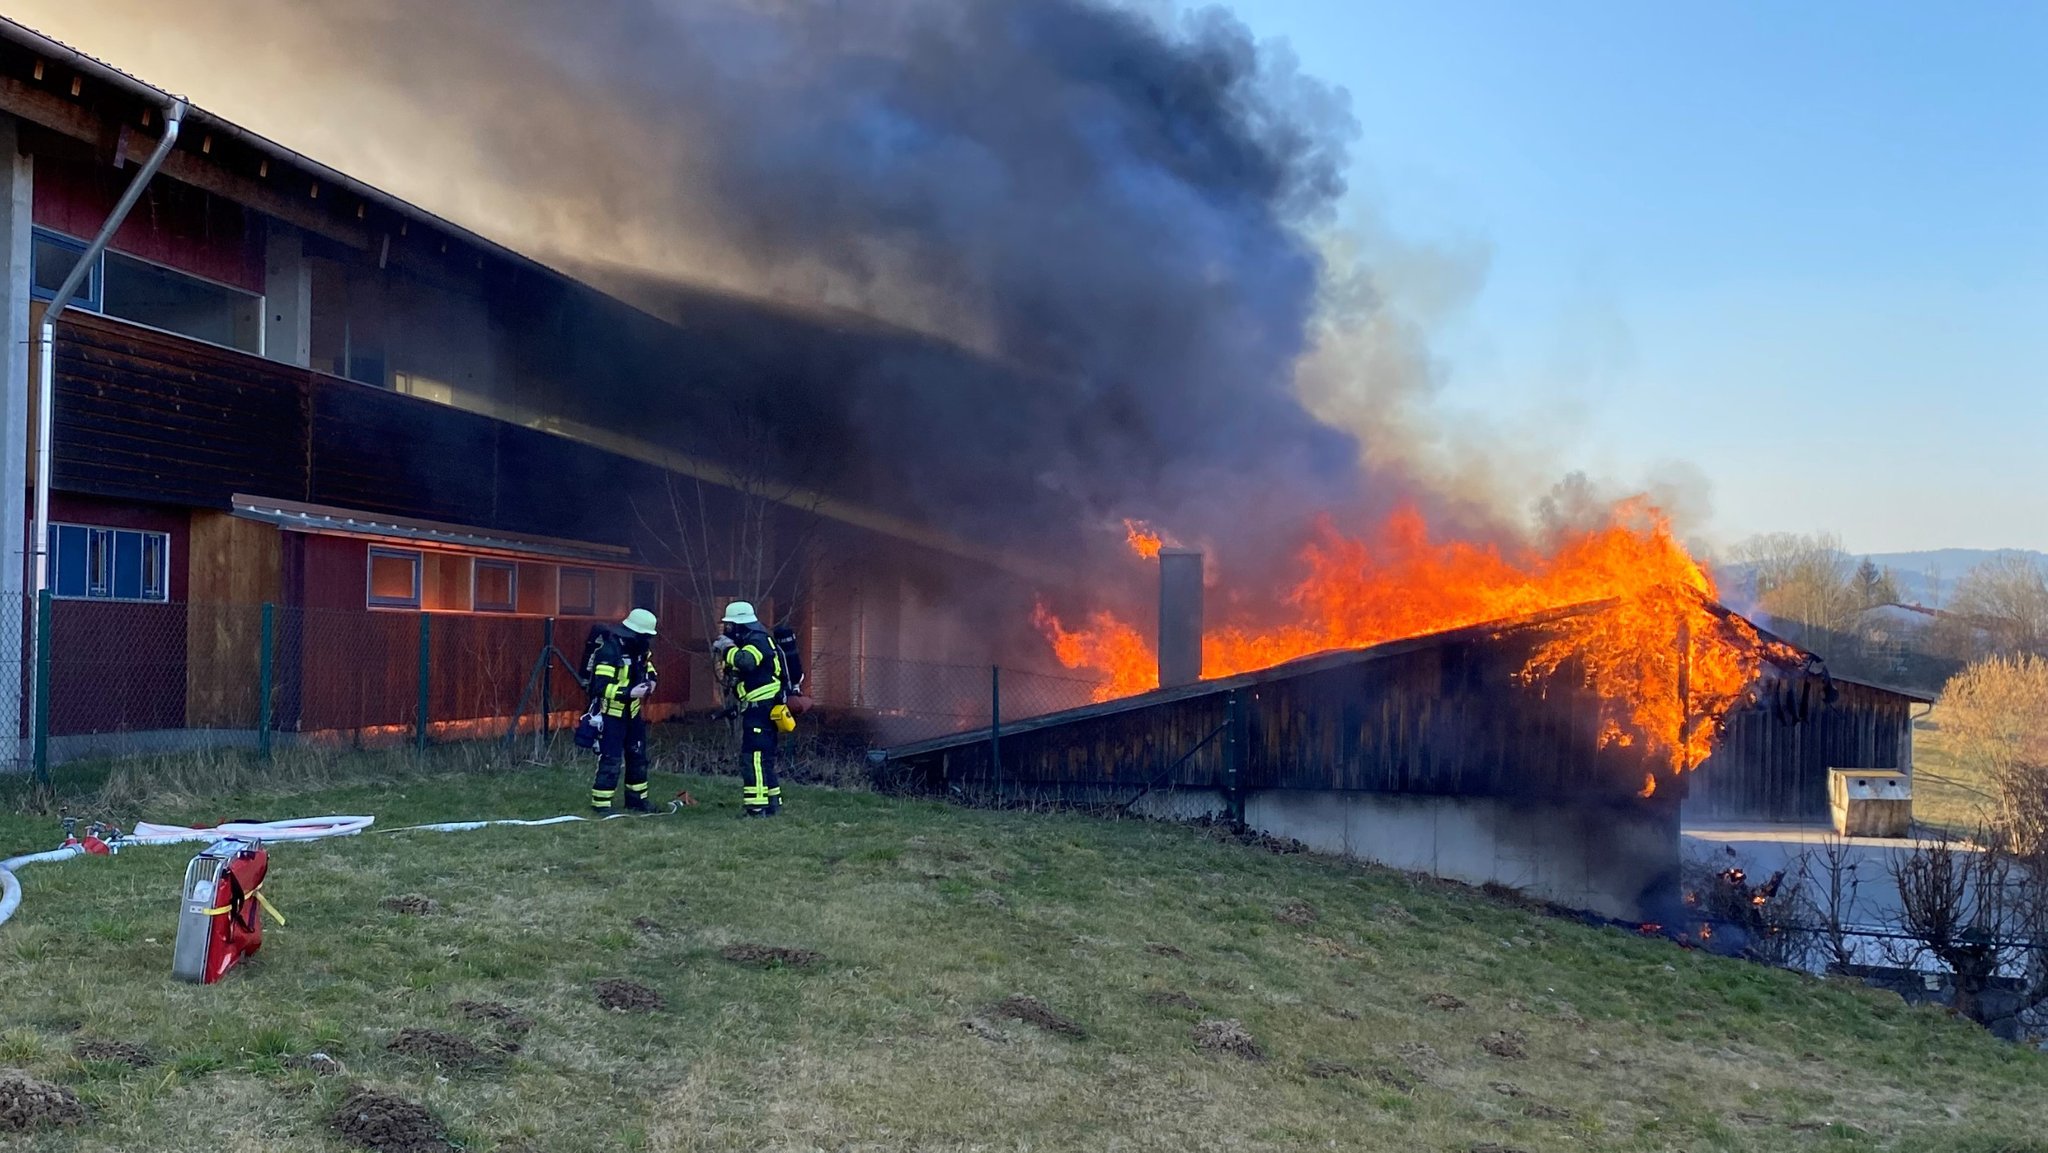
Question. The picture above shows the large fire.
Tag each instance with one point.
(1666, 661)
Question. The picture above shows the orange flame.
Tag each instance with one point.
(1145, 540)
(1664, 662)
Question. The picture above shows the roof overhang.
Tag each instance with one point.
(321, 520)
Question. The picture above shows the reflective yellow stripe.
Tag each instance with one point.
(641, 789)
(255, 894)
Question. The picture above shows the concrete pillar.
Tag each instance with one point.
(17, 188)
(1180, 617)
(287, 297)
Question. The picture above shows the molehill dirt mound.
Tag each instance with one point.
(1296, 912)
(388, 1124)
(1160, 950)
(1510, 1044)
(1444, 1001)
(114, 1052)
(1228, 1036)
(411, 904)
(1171, 999)
(496, 1013)
(27, 1103)
(1541, 1112)
(1033, 1011)
(444, 1049)
(769, 956)
(622, 996)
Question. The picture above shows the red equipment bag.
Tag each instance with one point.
(224, 908)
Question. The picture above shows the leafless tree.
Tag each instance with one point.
(1995, 714)
(2008, 597)
(1830, 892)
(1805, 580)
(742, 529)
(1982, 914)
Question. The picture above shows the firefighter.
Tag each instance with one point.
(753, 665)
(622, 677)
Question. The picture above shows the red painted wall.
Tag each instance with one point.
(173, 224)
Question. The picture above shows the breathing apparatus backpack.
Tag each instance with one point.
(590, 726)
(222, 919)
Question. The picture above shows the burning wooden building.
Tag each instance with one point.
(1486, 754)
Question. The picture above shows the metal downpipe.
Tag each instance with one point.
(46, 390)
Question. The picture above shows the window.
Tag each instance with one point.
(497, 587)
(109, 564)
(579, 593)
(132, 289)
(51, 259)
(160, 298)
(647, 592)
(394, 579)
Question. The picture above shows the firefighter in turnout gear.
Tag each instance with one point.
(622, 677)
(753, 666)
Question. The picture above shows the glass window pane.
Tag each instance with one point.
(495, 587)
(394, 578)
(149, 294)
(647, 592)
(51, 261)
(128, 566)
(99, 562)
(69, 556)
(156, 575)
(579, 593)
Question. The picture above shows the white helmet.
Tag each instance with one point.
(740, 613)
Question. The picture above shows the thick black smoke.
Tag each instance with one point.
(1108, 212)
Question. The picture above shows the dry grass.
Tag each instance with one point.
(1151, 937)
(1948, 795)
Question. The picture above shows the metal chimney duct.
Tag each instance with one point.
(1180, 617)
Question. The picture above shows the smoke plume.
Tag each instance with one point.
(1126, 219)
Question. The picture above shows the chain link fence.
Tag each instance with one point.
(122, 679)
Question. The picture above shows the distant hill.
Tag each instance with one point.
(1925, 577)
(1919, 572)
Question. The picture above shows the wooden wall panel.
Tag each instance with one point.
(234, 567)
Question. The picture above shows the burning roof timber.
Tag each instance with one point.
(1449, 713)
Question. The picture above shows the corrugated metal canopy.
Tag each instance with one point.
(323, 521)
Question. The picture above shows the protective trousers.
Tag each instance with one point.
(622, 744)
(760, 791)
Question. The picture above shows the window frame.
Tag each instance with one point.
(102, 544)
(586, 608)
(419, 564)
(476, 571)
(88, 298)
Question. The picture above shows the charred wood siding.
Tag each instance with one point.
(1437, 716)
(146, 416)
(1771, 765)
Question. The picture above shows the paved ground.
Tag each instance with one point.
(1761, 850)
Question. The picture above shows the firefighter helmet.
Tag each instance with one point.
(740, 613)
(640, 621)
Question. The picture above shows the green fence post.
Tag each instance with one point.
(995, 728)
(265, 673)
(547, 678)
(42, 701)
(426, 652)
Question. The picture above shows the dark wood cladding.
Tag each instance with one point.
(1436, 716)
(146, 416)
(1770, 766)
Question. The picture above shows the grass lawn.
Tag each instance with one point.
(1389, 1013)
(1947, 794)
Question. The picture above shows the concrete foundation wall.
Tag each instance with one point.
(1617, 861)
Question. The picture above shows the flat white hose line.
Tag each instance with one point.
(293, 829)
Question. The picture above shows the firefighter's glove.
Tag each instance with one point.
(722, 646)
(640, 690)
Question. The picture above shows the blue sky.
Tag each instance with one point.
(1803, 248)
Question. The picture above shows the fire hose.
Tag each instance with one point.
(294, 829)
